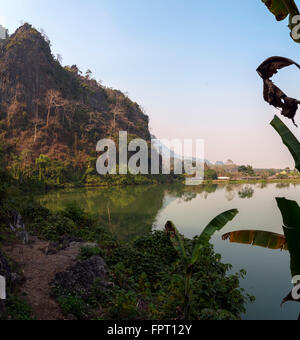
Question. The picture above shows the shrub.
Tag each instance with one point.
(88, 252)
(53, 227)
(74, 212)
(18, 309)
(73, 305)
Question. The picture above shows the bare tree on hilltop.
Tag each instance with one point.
(53, 100)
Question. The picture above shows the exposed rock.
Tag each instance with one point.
(3, 311)
(5, 269)
(63, 243)
(16, 279)
(80, 278)
(13, 279)
(17, 225)
(90, 245)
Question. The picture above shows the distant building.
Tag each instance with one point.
(3, 33)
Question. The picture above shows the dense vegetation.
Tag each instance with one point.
(146, 274)
(148, 284)
(51, 117)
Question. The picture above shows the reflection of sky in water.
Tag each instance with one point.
(268, 278)
(268, 271)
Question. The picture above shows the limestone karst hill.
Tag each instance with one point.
(49, 109)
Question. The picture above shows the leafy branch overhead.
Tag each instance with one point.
(283, 9)
(273, 94)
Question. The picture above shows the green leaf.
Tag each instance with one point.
(176, 239)
(282, 8)
(215, 225)
(290, 211)
(289, 140)
(257, 238)
(293, 240)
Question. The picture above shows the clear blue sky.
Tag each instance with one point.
(190, 64)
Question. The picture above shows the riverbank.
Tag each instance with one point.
(284, 181)
(109, 181)
(141, 279)
(178, 181)
(132, 212)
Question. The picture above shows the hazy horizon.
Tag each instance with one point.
(191, 65)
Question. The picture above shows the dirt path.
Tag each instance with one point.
(39, 270)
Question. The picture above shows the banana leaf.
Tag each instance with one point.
(282, 8)
(290, 211)
(215, 225)
(257, 238)
(288, 139)
(176, 239)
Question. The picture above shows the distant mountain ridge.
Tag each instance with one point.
(165, 152)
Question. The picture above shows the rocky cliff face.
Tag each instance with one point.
(53, 110)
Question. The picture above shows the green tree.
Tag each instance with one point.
(247, 170)
(211, 174)
(43, 163)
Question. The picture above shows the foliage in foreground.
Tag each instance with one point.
(18, 308)
(146, 274)
(189, 261)
(148, 283)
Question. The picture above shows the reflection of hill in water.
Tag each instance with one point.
(127, 211)
(132, 211)
(168, 199)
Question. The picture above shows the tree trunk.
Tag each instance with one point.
(187, 295)
(48, 115)
(35, 132)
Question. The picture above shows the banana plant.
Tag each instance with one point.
(290, 241)
(289, 140)
(283, 9)
(290, 210)
(189, 261)
(257, 238)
